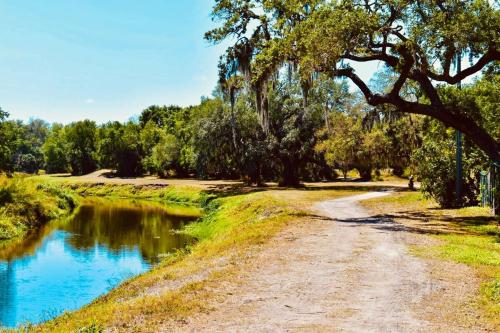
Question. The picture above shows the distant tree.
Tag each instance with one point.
(149, 138)
(28, 156)
(212, 141)
(56, 150)
(342, 140)
(9, 135)
(120, 148)
(81, 137)
(165, 154)
(162, 116)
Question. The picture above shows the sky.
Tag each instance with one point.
(66, 60)
(104, 60)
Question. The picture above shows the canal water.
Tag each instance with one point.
(69, 263)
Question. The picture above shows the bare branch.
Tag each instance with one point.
(488, 57)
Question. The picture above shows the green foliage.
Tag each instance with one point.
(4, 142)
(212, 140)
(436, 159)
(175, 124)
(21, 145)
(120, 148)
(417, 41)
(55, 150)
(25, 203)
(81, 137)
(165, 154)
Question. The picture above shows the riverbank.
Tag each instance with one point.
(27, 203)
(235, 225)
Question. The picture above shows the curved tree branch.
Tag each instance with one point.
(488, 57)
(436, 110)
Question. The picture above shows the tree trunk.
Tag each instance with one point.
(327, 119)
(365, 173)
(290, 175)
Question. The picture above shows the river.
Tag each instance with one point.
(69, 263)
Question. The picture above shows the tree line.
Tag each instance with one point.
(223, 139)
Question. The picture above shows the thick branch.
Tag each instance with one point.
(458, 121)
(488, 57)
(390, 60)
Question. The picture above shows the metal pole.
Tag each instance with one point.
(458, 180)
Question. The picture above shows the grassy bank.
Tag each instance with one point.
(181, 285)
(470, 236)
(156, 192)
(27, 203)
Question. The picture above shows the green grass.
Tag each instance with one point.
(470, 249)
(169, 194)
(26, 203)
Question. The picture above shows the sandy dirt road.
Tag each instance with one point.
(344, 272)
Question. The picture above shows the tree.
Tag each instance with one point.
(28, 156)
(212, 141)
(7, 139)
(417, 40)
(341, 142)
(55, 150)
(435, 160)
(162, 116)
(165, 154)
(291, 138)
(82, 143)
(120, 148)
(149, 137)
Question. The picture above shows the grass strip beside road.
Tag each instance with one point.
(469, 236)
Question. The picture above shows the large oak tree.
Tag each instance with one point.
(418, 40)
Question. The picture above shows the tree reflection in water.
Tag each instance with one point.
(68, 263)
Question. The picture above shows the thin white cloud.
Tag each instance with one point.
(89, 101)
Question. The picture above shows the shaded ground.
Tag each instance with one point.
(342, 271)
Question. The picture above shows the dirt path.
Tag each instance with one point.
(344, 272)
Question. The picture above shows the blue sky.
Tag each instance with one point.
(65, 60)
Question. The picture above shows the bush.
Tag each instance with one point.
(436, 164)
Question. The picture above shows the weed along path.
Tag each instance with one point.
(340, 272)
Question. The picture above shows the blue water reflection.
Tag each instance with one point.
(68, 264)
